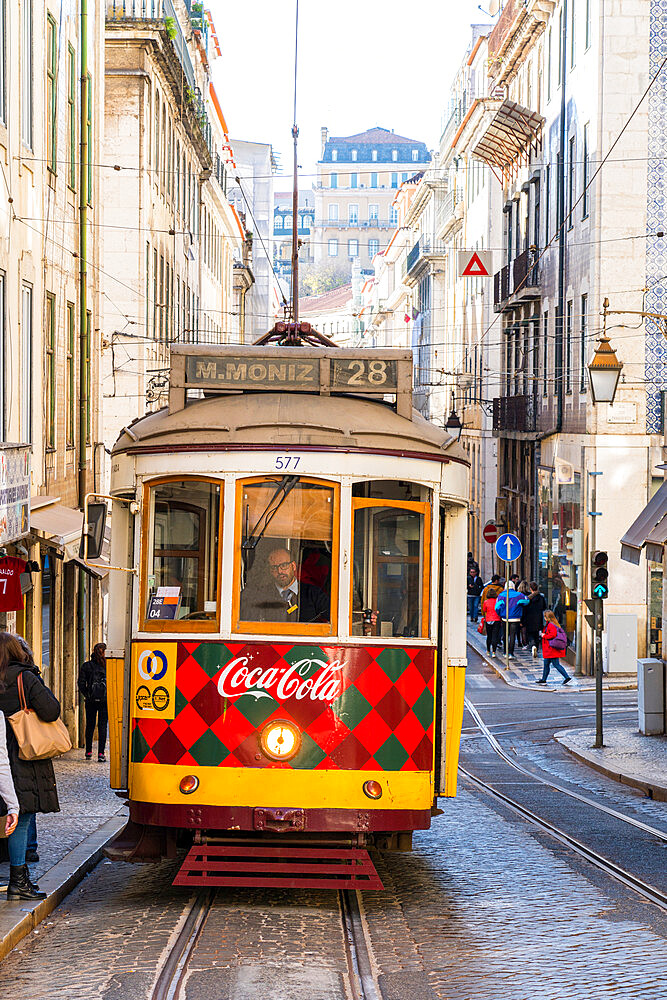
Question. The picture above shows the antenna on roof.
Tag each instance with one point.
(295, 188)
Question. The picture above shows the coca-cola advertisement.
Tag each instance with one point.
(355, 707)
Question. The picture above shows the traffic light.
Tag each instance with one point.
(599, 575)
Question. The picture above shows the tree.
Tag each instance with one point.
(315, 279)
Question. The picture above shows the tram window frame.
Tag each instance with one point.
(417, 507)
(177, 625)
(242, 626)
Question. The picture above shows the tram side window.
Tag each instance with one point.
(286, 556)
(390, 570)
(182, 557)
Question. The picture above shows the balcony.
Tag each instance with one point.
(162, 15)
(514, 414)
(425, 250)
(445, 215)
(518, 281)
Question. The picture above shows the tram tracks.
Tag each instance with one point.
(612, 869)
(363, 986)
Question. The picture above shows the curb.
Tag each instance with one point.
(18, 919)
(526, 686)
(651, 789)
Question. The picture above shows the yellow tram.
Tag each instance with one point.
(286, 654)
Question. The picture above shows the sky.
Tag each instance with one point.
(361, 63)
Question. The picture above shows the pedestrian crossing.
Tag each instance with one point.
(478, 681)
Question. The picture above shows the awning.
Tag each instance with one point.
(508, 135)
(60, 527)
(649, 529)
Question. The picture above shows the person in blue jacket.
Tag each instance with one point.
(509, 605)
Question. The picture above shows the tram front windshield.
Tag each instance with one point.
(286, 552)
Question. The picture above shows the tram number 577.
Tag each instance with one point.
(362, 374)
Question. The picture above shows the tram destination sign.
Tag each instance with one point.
(305, 374)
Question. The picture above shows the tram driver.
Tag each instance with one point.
(283, 597)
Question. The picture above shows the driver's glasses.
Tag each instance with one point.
(280, 567)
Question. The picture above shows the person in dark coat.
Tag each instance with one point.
(532, 616)
(475, 588)
(34, 780)
(285, 598)
(92, 684)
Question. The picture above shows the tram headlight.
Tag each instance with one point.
(280, 740)
(189, 784)
(373, 789)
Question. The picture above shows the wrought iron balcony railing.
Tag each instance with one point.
(514, 413)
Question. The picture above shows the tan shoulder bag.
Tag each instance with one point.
(37, 740)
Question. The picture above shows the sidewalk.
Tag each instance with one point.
(69, 842)
(524, 670)
(627, 756)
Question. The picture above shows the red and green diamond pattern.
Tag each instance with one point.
(380, 719)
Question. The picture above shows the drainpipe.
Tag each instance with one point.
(84, 388)
(560, 314)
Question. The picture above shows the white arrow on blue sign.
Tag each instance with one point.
(508, 547)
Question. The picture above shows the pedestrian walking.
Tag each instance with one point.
(493, 624)
(475, 588)
(509, 605)
(7, 790)
(34, 780)
(92, 684)
(31, 854)
(532, 616)
(472, 563)
(553, 633)
(492, 588)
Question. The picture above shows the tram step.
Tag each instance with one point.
(283, 867)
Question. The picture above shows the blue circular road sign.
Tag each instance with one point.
(508, 547)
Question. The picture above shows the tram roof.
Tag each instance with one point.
(269, 419)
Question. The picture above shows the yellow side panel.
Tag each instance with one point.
(115, 675)
(241, 786)
(456, 678)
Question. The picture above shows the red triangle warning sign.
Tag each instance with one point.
(475, 268)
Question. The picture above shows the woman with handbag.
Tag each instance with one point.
(7, 790)
(34, 780)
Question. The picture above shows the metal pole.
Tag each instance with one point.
(598, 671)
(295, 232)
(507, 612)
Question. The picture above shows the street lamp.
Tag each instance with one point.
(604, 369)
(454, 426)
(604, 372)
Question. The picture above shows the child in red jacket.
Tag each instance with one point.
(550, 654)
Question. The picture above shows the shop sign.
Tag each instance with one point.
(14, 492)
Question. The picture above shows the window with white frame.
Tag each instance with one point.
(353, 154)
(25, 406)
(394, 180)
(393, 215)
(333, 212)
(374, 155)
(333, 248)
(373, 211)
(278, 223)
(353, 215)
(26, 73)
(394, 155)
(334, 155)
(3, 60)
(353, 248)
(415, 155)
(373, 248)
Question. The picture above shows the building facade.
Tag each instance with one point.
(251, 194)
(51, 219)
(283, 231)
(357, 179)
(171, 236)
(565, 84)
